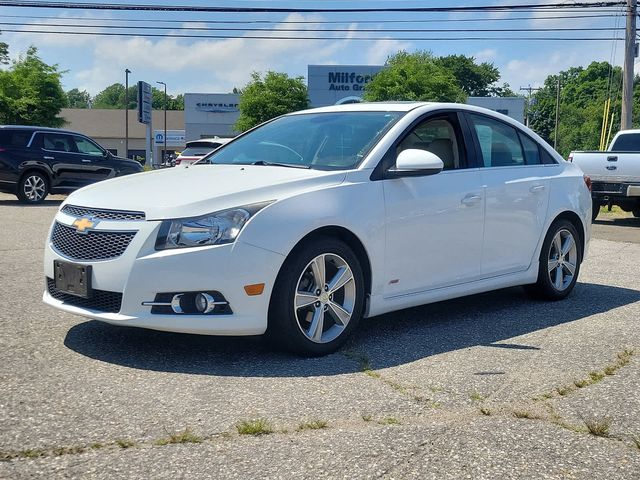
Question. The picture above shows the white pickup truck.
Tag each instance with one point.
(615, 174)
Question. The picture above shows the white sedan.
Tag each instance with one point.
(303, 226)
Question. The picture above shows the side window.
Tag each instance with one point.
(437, 136)
(499, 142)
(58, 142)
(531, 150)
(85, 146)
(546, 158)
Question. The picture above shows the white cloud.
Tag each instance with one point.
(380, 50)
(486, 55)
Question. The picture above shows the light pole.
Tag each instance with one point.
(126, 112)
(164, 153)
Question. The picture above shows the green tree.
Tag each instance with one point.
(4, 53)
(113, 97)
(30, 92)
(265, 98)
(477, 80)
(78, 99)
(582, 97)
(414, 76)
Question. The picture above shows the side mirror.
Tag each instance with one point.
(414, 162)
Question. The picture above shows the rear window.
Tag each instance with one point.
(15, 138)
(197, 151)
(629, 142)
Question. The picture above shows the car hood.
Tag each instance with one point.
(200, 189)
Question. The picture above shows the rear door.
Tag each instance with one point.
(516, 186)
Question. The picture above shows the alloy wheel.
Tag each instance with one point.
(34, 188)
(325, 298)
(563, 260)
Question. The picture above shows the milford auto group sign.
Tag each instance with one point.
(348, 81)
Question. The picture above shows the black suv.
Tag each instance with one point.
(36, 161)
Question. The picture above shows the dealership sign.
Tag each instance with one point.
(348, 81)
(217, 107)
(175, 138)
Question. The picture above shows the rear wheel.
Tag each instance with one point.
(318, 298)
(33, 188)
(560, 261)
(636, 213)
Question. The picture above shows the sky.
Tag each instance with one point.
(218, 65)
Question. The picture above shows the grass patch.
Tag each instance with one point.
(598, 426)
(256, 427)
(581, 383)
(314, 425)
(525, 414)
(185, 436)
(562, 391)
(35, 453)
(125, 443)
(97, 446)
(485, 411)
(596, 376)
(476, 397)
(389, 421)
(636, 441)
(366, 417)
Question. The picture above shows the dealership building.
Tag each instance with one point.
(208, 115)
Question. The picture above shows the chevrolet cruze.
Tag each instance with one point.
(305, 225)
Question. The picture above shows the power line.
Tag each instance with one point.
(331, 30)
(268, 37)
(317, 22)
(188, 8)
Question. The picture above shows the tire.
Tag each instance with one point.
(636, 213)
(596, 210)
(555, 279)
(33, 188)
(324, 318)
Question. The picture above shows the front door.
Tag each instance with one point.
(434, 224)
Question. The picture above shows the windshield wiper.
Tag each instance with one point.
(276, 164)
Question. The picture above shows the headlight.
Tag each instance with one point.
(212, 229)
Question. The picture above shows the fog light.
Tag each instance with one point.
(205, 303)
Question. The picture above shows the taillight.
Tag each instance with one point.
(178, 161)
(587, 181)
(570, 157)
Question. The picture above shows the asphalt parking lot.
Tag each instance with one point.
(491, 386)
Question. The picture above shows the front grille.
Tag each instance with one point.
(102, 214)
(94, 245)
(101, 300)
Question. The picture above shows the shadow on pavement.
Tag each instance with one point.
(619, 222)
(16, 203)
(388, 340)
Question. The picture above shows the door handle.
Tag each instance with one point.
(612, 159)
(86, 160)
(471, 199)
(46, 157)
(537, 188)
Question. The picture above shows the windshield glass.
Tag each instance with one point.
(323, 141)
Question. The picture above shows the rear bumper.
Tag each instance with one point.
(610, 190)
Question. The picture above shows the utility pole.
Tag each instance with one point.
(528, 89)
(126, 112)
(555, 136)
(629, 56)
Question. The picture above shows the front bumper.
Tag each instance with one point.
(141, 272)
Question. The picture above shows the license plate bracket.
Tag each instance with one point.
(73, 278)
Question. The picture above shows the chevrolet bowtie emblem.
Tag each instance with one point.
(84, 224)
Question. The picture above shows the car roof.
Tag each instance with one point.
(35, 128)
(212, 140)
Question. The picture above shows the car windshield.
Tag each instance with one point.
(323, 141)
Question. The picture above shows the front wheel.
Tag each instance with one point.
(33, 188)
(318, 298)
(560, 261)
